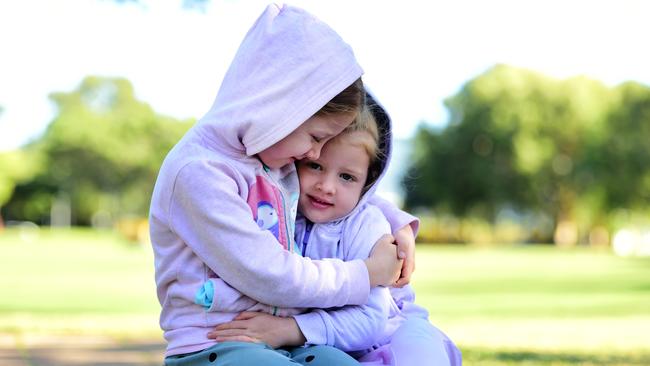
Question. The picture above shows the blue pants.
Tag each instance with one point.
(256, 354)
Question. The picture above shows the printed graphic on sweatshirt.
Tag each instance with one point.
(265, 201)
(292, 221)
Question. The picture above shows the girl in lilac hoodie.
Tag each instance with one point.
(337, 221)
(225, 200)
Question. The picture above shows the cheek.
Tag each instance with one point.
(303, 174)
(353, 196)
(306, 180)
(275, 150)
(297, 144)
(302, 179)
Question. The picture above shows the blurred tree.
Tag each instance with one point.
(101, 154)
(624, 156)
(15, 167)
(519, 139)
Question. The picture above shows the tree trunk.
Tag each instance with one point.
(566, 228)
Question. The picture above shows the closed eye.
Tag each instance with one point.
(316, 139)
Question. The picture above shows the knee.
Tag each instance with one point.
(420, 330)
(324, 355)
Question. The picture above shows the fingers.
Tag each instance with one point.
(247, 315)
(387, 239)
(398, 272)
(403, 247)
(402, 281)
(406, 250)
(238, 339)
(383, 265)
(215, 334)
(235, 324)
(405, 275)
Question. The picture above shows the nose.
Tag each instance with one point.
(326, 185)
(313, 153)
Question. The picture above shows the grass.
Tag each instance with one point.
(523, 305)
(78, 281)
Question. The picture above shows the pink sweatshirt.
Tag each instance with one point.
(211, 190)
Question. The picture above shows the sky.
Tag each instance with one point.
(414, 53)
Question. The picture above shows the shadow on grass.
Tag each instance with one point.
(80, 352)
(475, 356)
(95, 353)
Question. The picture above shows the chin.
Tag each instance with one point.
(316, 219)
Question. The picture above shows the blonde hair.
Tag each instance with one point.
(369, 141)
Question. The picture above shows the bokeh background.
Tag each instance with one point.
(522, 142)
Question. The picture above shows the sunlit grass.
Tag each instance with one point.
(510, 305)
(77, 281)
(538, 305)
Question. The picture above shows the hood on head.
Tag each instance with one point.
(385, 149)
(289, 65)
(380, 165)
(378, 168)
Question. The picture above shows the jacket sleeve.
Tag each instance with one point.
(349, 328)
(353, 328)
(217, 295)
(207, 212)
(396, 217)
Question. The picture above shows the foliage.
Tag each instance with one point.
(572, 150)
(15, 167)
(101, 153)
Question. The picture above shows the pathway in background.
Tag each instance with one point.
(78, 351)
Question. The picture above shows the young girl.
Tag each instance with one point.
(292, 86)
(336, 221)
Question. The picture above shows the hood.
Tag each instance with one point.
(289, 65)
(385, 147)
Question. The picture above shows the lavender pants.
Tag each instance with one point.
(415, 343)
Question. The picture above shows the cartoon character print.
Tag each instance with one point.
(292, 220)
(267, 218)
(265, 202)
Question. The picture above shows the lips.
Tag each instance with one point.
(319, 203)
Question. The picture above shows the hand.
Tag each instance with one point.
(260, 328)
(384, 267)
(405, 250)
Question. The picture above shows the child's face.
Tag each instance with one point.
(330, 186)
(306, 141)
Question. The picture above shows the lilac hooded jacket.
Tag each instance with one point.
(353, 327)
(211, 189)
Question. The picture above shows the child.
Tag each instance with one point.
(292, 86)
(334, 189)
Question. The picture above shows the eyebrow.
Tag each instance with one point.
(351, 171)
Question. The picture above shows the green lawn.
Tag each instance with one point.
(78, 281)
(518, 305)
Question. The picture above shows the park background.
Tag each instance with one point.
(522, 131)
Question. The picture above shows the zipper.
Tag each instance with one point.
(305, 238)
(287, 231)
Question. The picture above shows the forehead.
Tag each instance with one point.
(332, 124)
(345, 155)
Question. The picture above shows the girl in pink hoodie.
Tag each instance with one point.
(225, 200)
